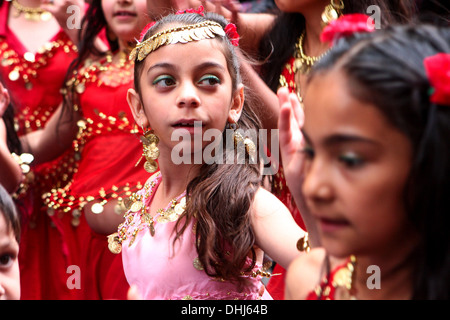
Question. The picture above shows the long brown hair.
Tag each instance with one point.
(221, 196)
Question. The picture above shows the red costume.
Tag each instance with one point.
(34, 80)
(107, 148)
(281, 191)
(338, 279)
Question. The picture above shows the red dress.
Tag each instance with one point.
(281, 191)
(339, 278)
(107, 148)
(34, 81)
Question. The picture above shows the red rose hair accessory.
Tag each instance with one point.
(346, 25)
(144, 31)
(233, 35)
(437, 68)
(198, 11)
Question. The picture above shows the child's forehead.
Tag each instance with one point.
(6, 229)
(190, 52)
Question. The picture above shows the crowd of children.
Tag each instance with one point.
(135, 151)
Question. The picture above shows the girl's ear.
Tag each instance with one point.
(237, 103)
(137, 108)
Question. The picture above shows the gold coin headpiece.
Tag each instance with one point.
(183, 34)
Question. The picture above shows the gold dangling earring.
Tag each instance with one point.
(249, 145)
(332, 12)
(150, 150)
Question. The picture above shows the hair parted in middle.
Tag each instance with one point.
(221, 196)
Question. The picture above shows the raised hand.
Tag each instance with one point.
(290, 121)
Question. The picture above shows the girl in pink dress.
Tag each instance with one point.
(199, 228)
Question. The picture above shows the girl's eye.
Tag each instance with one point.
(308, 152)
(6, 260)
(209, 80)
(164, 81)
(351, 160)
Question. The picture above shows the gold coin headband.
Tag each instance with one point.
(184, 34)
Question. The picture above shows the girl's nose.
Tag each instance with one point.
(317, 186)
(188, 96)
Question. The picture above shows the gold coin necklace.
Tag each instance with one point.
(171, 213)
(138, 218)
(30, 13)
(303, 63)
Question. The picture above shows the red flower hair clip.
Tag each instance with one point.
(437, 68)
(198, 11)
(233, 35)
(346, 25)
(144, 31)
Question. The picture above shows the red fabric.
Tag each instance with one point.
(108, 151)
(45, 247)
(327, 289)
(106, 163)
(102, 272)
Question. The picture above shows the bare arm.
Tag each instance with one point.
(276, 231)
(54, 139)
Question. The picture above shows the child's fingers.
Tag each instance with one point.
(133, 293)
(284, 119)
(297, 108)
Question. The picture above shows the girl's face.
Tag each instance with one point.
(356, 169)
(125, 18)
(183, 85)
(299, 5)
(9, 263)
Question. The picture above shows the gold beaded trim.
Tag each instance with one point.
(195, 32)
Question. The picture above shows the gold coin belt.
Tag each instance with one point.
(61, 198)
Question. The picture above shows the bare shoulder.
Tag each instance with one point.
(304, 274)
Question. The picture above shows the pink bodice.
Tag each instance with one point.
(162, 270)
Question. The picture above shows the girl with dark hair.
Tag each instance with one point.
(96, 123)
(290, 48)
(376, 167)
(198, 229)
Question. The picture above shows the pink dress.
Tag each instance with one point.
(164, 271)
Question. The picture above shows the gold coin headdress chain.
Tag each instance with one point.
(183, 34)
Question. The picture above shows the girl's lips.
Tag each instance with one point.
(188, 123)
(331, 225)
(191, 125)
(124, 13)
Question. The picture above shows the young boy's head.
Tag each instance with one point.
(9, 247)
